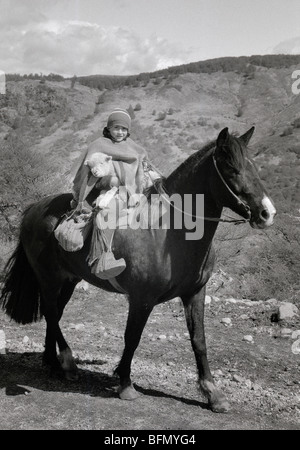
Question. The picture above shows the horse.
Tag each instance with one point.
(161, 264)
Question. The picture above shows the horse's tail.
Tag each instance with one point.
(20, 296)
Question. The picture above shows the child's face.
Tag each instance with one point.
(118, 132)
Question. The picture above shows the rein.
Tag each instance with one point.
(212, 219)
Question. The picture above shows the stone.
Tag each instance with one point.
(226, 321)
(238, 378)
(287, 311)
(272, 301)
(231, 300)
(244, 316)
(26, 340)
(162, 337)
(2, 343)
(84, 285)
(207, 300)
(286, 332)
(248, 383)
(218, 373)
(248, 338)
(295, 334)
(296, 347)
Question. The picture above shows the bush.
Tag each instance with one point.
(239, 112)
(287, 131)
(27, 176)
(131, 112)
(202, 121)
(296, 123)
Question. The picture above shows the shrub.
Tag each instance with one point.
(287, 131)
(239, 112)
(296, 123)
(130, 111)
(202, 122)
(27, 176)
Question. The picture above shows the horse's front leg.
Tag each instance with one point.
(137, 318)
(194, 313)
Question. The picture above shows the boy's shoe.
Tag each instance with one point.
(108, 266)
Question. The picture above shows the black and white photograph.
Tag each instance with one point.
(149, 218)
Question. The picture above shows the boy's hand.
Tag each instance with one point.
(104, 199)
(134, 199)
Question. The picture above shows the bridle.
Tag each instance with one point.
(215, 219)
(238, 200)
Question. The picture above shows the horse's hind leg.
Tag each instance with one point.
(65, 357)
(194, 312)
(137, 318)
(54, 302)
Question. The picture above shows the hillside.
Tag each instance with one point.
(44, 126)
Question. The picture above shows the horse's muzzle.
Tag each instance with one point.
(265, 216)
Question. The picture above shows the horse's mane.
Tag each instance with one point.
(193, 161)
(188, 166)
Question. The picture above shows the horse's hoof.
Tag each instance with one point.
(71, 375)
(220, 406)
(128, 393)
(56, 372)
(68, 365)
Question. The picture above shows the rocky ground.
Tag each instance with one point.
(253, 349)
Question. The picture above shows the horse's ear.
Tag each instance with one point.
(247, 136)
(222, 138)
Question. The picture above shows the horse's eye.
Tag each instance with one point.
(233, 170)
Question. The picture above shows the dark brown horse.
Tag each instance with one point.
(161, 264)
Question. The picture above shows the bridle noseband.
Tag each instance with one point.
(240, 203)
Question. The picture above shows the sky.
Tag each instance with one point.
(124, 37)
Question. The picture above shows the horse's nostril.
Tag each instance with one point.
(265, 215)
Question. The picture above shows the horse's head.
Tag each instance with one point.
(239, 184)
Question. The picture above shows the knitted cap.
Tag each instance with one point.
(119, 117)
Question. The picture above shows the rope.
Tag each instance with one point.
(210, 219)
